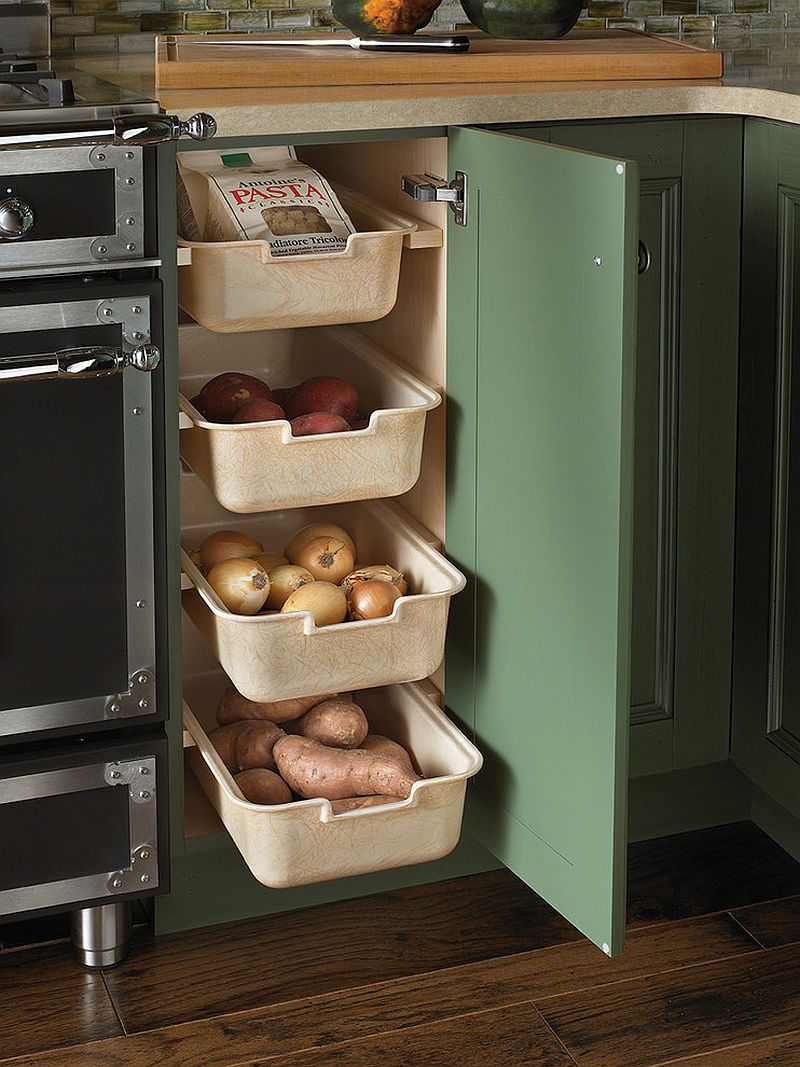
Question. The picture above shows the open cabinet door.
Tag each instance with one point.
(541, 325)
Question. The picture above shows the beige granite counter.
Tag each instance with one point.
(753, 86)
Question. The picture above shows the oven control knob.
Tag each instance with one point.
(16, 218)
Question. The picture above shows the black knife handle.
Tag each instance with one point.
(458, 42)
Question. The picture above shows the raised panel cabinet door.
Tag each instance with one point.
(766, 704)
(541, 333)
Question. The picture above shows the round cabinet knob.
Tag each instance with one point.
(16, 218)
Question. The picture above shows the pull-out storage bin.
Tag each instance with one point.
(301, 842)
(261, 467)
(234, 286)
(277, 656)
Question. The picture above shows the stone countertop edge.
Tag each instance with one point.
(260, 112)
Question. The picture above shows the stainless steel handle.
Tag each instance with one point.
(122, 130)
(88, 362)
(452, 43)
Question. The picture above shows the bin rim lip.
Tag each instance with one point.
(425, 707)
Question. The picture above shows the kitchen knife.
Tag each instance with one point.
(389, 43)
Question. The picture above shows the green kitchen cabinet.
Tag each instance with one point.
(623, 494)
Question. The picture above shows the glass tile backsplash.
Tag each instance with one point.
(131, 25)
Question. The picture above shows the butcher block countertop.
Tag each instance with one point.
(762, 78)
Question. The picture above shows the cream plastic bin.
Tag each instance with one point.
(235, 286)
(252, 467)
(301, 842)
(276, 656)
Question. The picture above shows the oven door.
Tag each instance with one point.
(76, 208)
(81, 568)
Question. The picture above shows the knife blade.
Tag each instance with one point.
(451, 43)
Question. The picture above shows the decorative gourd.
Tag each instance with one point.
(527, 19)
(365, 17)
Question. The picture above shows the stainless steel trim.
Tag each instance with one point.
(125, 243)
(142, 828)
(133, 316)
(124, 130)
(101, 934)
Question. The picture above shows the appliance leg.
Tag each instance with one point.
(100, 935)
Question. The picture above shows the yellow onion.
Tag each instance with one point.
(326, 602)
(283, 581)
(268, 560)
(376, 572)
(241, 584)
(372, 600)
(227, 544)
(309, 533)
(196, 556)
(327, 558)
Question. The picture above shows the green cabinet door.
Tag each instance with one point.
(540, 380)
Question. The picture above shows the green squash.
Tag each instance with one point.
(370, 17)
(528, 19)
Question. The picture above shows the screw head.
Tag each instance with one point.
(117, 883)
(145, 853)
(138, 411)
(144, 794)
(130, 246)
(108, 312)
(130, 181)
(102, 249)
(114, 774)
(144, 770)
(598, 261)
(142, 679)
(130, 221)
(145, 879)
(129, 155)
(620, 168)
(101, 156)
(136, 310)
(116, 708)
(136, 335)
(141, 603)
(606, 949)
(142, 704)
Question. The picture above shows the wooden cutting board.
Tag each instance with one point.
(202, 62)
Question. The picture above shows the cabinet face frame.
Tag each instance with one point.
(553, 725)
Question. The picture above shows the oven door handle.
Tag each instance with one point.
(74, 363)
(135, 130)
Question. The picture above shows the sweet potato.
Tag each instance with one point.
(234, 707)
(315, 770)
(379, 743)
(261, 786)
(247, 744)
(335, 722)
(338, 807)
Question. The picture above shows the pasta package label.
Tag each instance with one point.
(278, 200)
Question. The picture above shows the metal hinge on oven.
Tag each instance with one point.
(427, 188)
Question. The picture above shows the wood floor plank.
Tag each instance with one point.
(683, 1013)
(773, 924)
(304, 953)
(781, 1051)
(707, 871)
(514, 1038)
(418, 1000)
(48, 1001)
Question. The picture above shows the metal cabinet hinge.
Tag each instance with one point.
(140, 699)
(427, 188)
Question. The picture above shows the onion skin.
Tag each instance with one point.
(378, 572)
(241, 584)
(326, 602)
(283, 581)
(317, 529)
(233, 707)
(227, 544)
(268, 560)
(372, 600)
(327, 558)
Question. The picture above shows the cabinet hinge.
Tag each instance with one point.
(428, 188)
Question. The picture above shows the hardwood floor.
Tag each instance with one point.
(476, 971)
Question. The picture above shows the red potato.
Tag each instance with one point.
(259, 410)
(335, 722)
(226, 393)
(314, 770)
(281, 396)
(339, 807)
(323, 394)
(260, 786)
(198, 403)
(318, 422)
(233, 707)
(359, 421)
(379, 743)
(244, 745)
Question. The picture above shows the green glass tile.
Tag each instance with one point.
(626, 24)
(731, 24)
(640, 8)
(680, 7)
(183, 5)
(162, 22)
(606, 9)
(91, 7)
(117, 23)
(291, 20)
(251, 22)
(138, 7)
(715, 7)
(106, 42)
(661, 24)
(750, 5)
(226, 5)
(768, 22)
(75, 24)
(592, 24)
(200, 21)
(61, 44)
(697, 24)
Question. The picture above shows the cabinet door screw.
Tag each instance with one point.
(598, 261)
